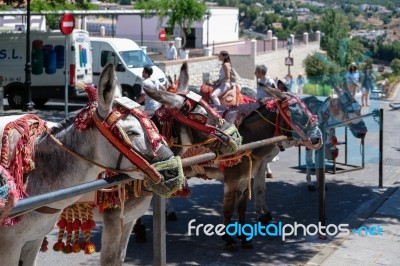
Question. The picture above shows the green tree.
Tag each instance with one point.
(321, 70)
(335, 28)
(340, 49)
(179, 12)
(395, 66)
(56, 5)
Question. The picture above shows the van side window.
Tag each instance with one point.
(135, 58)
(108, 57)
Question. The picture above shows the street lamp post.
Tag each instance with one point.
(289, 47)
(28, 105)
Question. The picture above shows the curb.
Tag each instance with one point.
(333, 245)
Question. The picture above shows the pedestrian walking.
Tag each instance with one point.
(171, 53)
(367, 85)
(353, 79)
(300, 83)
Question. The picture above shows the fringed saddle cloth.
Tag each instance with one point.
(17, 135)
(232, 97)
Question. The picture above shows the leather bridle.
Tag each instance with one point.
(195, 121)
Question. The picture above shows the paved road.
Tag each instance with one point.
(348, 195)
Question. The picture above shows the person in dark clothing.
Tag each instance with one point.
(367, 85)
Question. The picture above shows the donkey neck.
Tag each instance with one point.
(258, 125)
(55, 168)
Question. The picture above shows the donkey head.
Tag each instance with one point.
(350, 109)
(128, 131)
(195, 121)
(297, 116)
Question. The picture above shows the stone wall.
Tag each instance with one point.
(244, 65)
(198, 67)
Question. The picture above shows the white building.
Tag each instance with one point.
(18, 23)
(221, 27)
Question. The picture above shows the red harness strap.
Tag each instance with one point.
(286, 114)
(128, 152)
(219, 134)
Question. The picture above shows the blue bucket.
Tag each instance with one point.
(60, 55)
(51, 63)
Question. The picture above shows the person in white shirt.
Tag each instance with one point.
(353, 79)
(261, 76)
(150, 105)
(171, 52)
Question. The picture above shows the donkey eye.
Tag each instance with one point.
(132, 133)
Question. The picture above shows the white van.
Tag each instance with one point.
(129, 60)
(47, 63)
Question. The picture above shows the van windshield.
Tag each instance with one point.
(135, 59)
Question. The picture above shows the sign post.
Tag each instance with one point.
(1, 96)
(67, 25)
(289, 61)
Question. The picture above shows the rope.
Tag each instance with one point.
(208, 141)
(265, 119)
(199, 169)
(52, 137)
(121, 196)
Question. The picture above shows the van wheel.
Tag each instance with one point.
(16, 97)
(40, 102)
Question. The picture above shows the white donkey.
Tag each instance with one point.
(75, 152)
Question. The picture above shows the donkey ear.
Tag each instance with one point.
(107, 90)
(276, 93)
(183, 80)
(282, 86)
(170, 100)
(337, 89)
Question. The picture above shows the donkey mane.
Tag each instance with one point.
(62, 125)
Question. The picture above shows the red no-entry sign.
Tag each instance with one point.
(162, 35)
(67, 24)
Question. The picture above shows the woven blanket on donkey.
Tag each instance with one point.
(18, 135)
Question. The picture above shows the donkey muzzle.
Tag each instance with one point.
(173, 177)
(233, 144)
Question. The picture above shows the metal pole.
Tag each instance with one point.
(337, 124)
(28, 105)
(321, 181)
(381, 148)
(66, 62)
(1, 96)
(159, 238)
(288, 67)
(299, 156)
(141, 29)
(38, 201)
(345, 145)
(363, 152)
(112, 26)
(35, 202)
